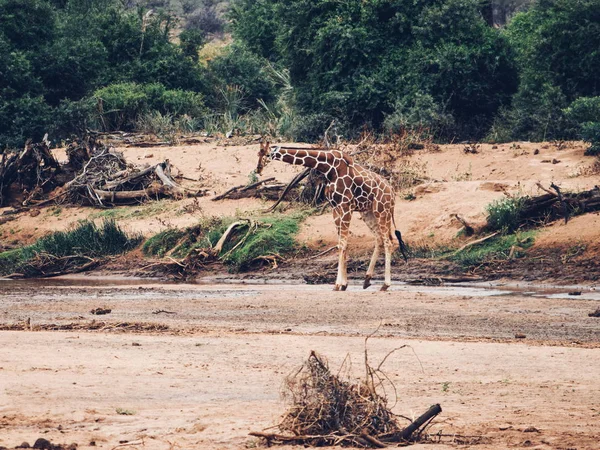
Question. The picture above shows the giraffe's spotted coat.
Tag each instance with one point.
(350, 187)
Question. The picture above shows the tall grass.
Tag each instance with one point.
(86, 239)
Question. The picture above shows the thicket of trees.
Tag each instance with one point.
(435, 65)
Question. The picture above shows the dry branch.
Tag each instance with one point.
(326, 410)
(476, 241)
(95, 174)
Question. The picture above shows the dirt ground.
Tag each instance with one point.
(513, 366)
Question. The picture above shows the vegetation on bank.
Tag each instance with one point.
(248, 243)
(79, 245)
(293, 66)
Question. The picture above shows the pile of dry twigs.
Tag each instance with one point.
(326, 410)
(95, 174)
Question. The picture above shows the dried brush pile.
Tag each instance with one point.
(104, 178)
(95, 174)
(28, 174)
(326, 410)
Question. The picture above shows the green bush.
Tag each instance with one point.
(361, 62)
(246, 70)
(585, 112)
(590, 132)
(119, 106)
(504, 215)
(498, 248)
(556, 45)
(160, 244)
(271, 236)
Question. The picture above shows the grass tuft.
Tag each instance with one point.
(86, 239)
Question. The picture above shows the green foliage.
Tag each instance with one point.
(498, 248)
(585, 112)
(246, 70)
(86, 239)
(556, 45)
(160, 244)
(119, 106)
(57, 53)
(271, 236)
(505, 214)
(361, 61)
(590, 132)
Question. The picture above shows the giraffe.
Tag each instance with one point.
(350, 187)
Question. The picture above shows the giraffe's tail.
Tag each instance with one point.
(403, 248)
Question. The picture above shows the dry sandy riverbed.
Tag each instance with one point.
(215, 373)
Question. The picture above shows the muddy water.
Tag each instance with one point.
(544, 314)
(225, 286)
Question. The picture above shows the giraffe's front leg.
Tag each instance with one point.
(342, 222)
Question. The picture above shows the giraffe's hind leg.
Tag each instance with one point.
(371, 222)
(385, 224)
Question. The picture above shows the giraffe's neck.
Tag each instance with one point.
(321, 160)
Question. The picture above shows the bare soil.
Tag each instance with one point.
(512, 366)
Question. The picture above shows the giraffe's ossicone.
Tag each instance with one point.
(350, 187)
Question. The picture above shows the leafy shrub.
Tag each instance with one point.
(504, 215)
(120, 105)
(590, 132)
(357, 61)
(272, 236)
(585, 112)
(555, 43)
(244, 69)
(88, 239)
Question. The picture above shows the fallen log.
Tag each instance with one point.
(258, 189)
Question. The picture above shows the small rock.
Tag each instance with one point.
(520, 336)
(595, 313)
(531, 430)
(24, 445)
(149, 155)
(575, 293)
(536, 151)
(100, 311)
(43, 444)
(555, 161)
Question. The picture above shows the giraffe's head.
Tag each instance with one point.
(264, 156)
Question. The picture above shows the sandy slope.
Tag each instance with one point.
(458, 183)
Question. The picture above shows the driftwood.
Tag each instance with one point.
(476, 241)
(95, 174)
(28, 174)
(328, 410)
(469, 230)
(268, 189)
(556, 205)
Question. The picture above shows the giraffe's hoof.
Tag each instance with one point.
(384, 287)
(344, 287)
(367, 282)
